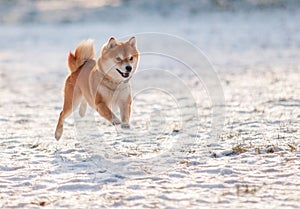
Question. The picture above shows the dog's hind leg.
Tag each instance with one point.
(82, 108)
(72, 98)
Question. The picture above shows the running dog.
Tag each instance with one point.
(103, 83)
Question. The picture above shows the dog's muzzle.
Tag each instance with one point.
(126, 74)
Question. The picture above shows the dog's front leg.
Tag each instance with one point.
(104, 110)
(125, 110)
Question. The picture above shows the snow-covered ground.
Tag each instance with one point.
(170, 158)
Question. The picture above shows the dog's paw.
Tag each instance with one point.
(125, 126)
(58, 133)
(116, 121)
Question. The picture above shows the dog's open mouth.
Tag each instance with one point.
(124, 75)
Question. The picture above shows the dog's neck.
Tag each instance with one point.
(107, 82)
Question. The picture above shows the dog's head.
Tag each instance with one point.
(119, 60)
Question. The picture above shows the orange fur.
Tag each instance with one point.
(83, 52)
(98, 83)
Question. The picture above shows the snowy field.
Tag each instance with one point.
(216, 112)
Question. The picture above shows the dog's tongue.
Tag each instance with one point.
(126, 75)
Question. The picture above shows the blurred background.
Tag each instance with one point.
(56, 11)
(232, 33)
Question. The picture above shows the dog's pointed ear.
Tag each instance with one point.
(132, 41)
(111, 43)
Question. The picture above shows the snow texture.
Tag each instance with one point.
(169, 158)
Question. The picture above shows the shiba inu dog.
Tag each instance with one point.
(103, 83)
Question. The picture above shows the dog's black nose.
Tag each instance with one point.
(128, 68)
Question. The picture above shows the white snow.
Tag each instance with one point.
(169, 158)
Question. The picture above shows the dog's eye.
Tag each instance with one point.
(118, 59)
(131, 58)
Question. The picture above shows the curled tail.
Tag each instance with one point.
(84, 51)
